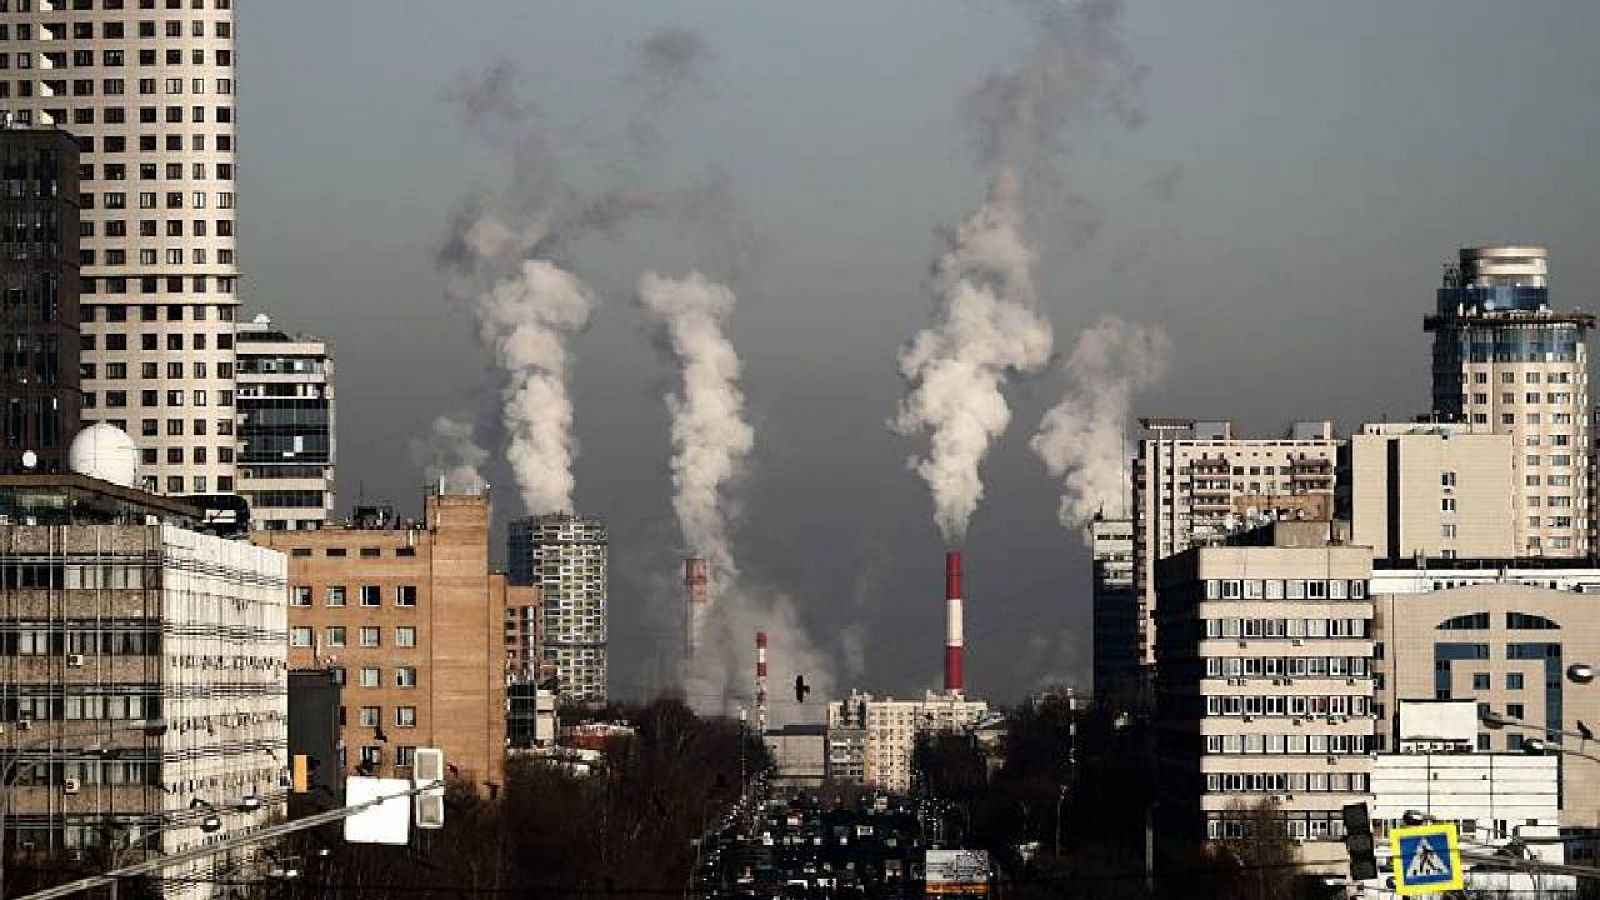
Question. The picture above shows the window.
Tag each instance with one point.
(370, 635)
(371, 595)
(300, 636)
(335, 595)
(1515, 711)
(370, 677)
(371, 716)
(1480, 681)
(371, 756)
(335, 635)
(405, 595)
(302, 595)
(1514, 681)
(1447, 479)
(1448, 504)
(405, 716)
(405, 636)
(405, 676)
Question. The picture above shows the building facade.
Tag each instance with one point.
(126, 629)
(149, 95)
(409, 615)
(1501, 635)
(565, 557)
(285, 400)
(524, 618)
(1265, 688)
(1117, 669)
(1504, 358)
(890, 729)
(39, 319)
(1431, 489)
(1195, 483)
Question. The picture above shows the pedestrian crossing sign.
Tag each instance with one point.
(1427, 859)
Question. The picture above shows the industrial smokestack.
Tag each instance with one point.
(954, 645)
(761, 682)
(694, 588)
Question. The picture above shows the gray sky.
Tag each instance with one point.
(1304, 170)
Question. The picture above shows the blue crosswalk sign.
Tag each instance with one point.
(1427, 859)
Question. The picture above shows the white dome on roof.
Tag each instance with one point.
(105, 452)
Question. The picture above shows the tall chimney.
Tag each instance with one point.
(694, 588)
(953, 642)
(761, 682)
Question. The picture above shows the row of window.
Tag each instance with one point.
(172, 284)
(113, 30)
(1286, 782)
(149, 143)
(82, 639)
(366, 552)
(369, 594)
(1291, 628)
(1289, 705)
(149, 200)
(1286, 666)
(118, 228)
(112, 707)
(370, 636)
(23, 6)
(117, 87)
(1531, 377)
(372, 716)
(1530, 398)
(1300, 826)
(1286, 589)
(112, 58)
(1320, 744)
(152, 171)
(119, 399)
(150, 342)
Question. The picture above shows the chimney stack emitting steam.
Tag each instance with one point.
(954, 643)
(761, 682)
(695, 590)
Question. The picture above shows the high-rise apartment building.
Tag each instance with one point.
(887, 732)
(38, 298)
(1430, 489)
(1265, 686)
(1116, 610)
(408, 616)
(1505, 359)
(142, 676)
(285, 399)
(1195, 483)
(565, 557)
(147, 88)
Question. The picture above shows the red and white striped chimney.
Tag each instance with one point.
(954, 644)
(761, 681)
(695, 579)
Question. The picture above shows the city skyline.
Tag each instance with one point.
(1278, 213)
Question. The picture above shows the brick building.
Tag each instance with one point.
(410, 616)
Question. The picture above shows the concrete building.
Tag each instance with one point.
(39, 318)
(409, 613)
(1264, 688)
(1431, 489)
(1117, 672)
(564, 556)
(891, 728)
(149, 95)
(524, 641)
(285, 399)
(124, 628)
(530, 716)
(1501, 634)
(799, 754)
(1195, 483)
(1504, 358)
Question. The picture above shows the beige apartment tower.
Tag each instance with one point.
(1439, 490)
(1195, 483)
(147, 89)
(410, 618)
(1503, 358)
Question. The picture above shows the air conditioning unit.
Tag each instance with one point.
(1350, 681)
(75, 660)
(1299, 642)
(71, 786)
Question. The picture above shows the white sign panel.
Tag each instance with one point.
(387, 823)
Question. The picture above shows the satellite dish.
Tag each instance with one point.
(30, 460)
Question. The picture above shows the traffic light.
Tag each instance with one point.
(1358, 842)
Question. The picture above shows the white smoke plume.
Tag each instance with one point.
(710, 437)
(988, 327)
(722, 680)
(1080, 439)
(450, 457)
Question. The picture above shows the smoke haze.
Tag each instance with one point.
(1080, 439)
(450, 456)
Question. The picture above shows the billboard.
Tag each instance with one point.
(956, 873)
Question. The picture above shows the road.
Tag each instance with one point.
(798, 846)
